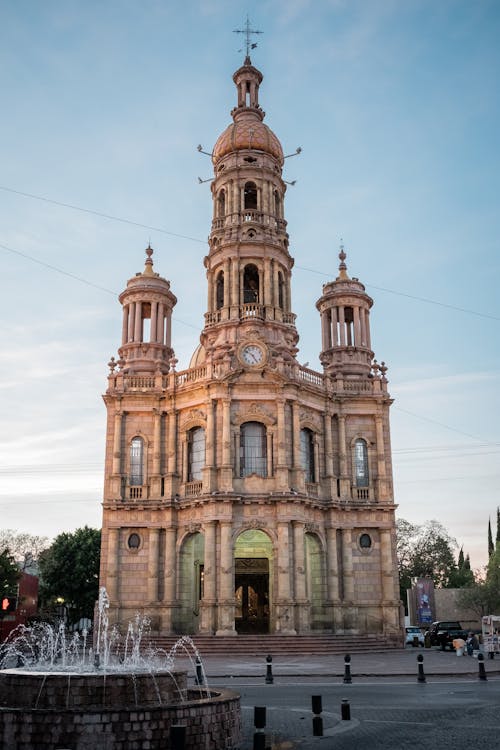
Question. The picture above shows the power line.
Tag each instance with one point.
(131, 222)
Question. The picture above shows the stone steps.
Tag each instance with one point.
(261, 645)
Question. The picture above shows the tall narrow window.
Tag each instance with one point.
(250, 284)
(281, 290)
(361, 463)
(307, 453)
(221, 204)
(253, 453)
(219, 290)
(196, 453)
(136, 462)
(250, 195)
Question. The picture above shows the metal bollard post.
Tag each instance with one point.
(259, 721)
(269, 670)
(177, 736)
(199, 672)
(347, 669)
(345, 710)
(482, 671)
(421, 675)
(317, 708)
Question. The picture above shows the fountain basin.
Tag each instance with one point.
(76, 711)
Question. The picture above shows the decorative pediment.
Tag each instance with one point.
(193, 418)
(254, 412)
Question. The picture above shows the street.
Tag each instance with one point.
(385, 713)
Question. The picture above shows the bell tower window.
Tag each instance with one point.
(219, 291)
(250, 284)
(361, 463)
(221, 204)
(281, 290)
(196, 453)
(253, 452)
(307, 453)
(136, 462)
(250, 196)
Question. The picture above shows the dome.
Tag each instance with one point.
(247, 134)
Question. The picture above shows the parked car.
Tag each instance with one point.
(414, 636)
(443, 634)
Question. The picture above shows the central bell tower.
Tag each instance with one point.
(248, 265)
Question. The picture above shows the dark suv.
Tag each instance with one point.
(443, 633)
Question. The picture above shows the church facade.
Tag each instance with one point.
(249, 493)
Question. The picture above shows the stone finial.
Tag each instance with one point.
(342, 265)
(148, 266)
(112, 364)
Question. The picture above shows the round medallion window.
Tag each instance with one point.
(134, 541)
(365, 541)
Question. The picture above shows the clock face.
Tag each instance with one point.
(251, 354)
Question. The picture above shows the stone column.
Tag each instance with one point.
(131, 321)
(368, 339)
(357, 327)
(267, 282)
(138, 322)
(172, 442)
(207, 619)
(284, 604)
(276, 285)
(269, 453)
(334, 325)
(281, 465)
(112, 566)
(169, 598)
(379, 427)
(302, 605)
(327, 420)
(345, 482)
(388, 566)
(332, 558)
(125, 324)
(226, 477)
(117, 443)
(210, 446)
(296, 436)
(156, 442)
(363, 326)
(347, 566)
(160, 334)
(153, 561)
(342, 326)
(227, 284)
(226, 581)
(154, 326)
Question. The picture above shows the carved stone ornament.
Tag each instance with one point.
(312, 528)
(193, 528)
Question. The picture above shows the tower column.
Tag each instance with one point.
(302, 612)
(345, 484)
(170, 578)
(153, 561)
(112, 565)
(125, 324)
(131, 321)
(267, 282)
(284, 610)
(160, 324)
(207, 620)
(281, 467)
(327, 422)
(347, 566)
(342, 326)
(156, 441)
(226, 478)
(357, 327)
(117, 443)
(138, 322)
(226, 581)
(154, 313)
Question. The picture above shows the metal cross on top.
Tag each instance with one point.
(248, 31)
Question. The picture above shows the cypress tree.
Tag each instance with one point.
(498, 525)
(490, 539)
(461, 558)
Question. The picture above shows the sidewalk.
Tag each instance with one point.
(375, 664)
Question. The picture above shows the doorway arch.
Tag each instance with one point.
(253, 559)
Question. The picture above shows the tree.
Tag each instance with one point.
(25, 548)
(425, 550)
(9, 574)
(490, 539)
(69, 571)
(482, 598)
(498, 526)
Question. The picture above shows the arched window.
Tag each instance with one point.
(250, 284)
(361, 463)
(219, 290)
(281, 290)
(250, 195)
(253, 452)
(307, 453)
(221, 204)
(136, 462)
(196, 453)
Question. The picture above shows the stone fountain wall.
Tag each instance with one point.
(80, 723)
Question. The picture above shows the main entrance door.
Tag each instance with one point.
(252, 595)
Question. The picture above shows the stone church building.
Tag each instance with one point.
(248, 493)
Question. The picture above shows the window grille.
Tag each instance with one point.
(253, 453)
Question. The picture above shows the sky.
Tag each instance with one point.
(396, 107)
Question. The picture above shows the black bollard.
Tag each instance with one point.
(345, 710)
(347, 669)
(177, 736)
(269, 670)
(421, 675)
(259, 721)
(317, 708)
(199, 672)
(482, 671)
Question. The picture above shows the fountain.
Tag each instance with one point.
(113, 694)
